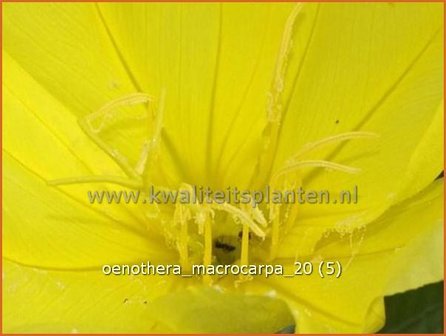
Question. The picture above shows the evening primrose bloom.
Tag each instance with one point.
(321, 96)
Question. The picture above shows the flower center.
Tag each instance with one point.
(212, 232)
(225, 233)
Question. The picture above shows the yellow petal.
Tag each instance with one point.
(57, 226)
(412, 231)
(397, 92)
(215, 63)
(402, 250)
(67, 49)
(45, 227)
(381, 73)
(75, 60)
(47, 301)
(206, 310)
(43, 300)
(209, 88)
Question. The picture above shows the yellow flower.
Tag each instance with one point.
(320, 96)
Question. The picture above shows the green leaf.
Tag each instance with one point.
(415, 311)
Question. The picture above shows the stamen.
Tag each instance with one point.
(207, 257)
(314, 163)
(151, 148)
(275, 217)
(275, 108)
(274, 105)
(244, 256)
(104, 111)
(241, 215)
(124, 182)
(181, 218)
(332, 139)
(200, 220)
(291, 216)
(143, 157)
(258, 216)
(253, 209)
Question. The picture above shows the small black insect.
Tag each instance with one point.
(226, 249)
(224, 246)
